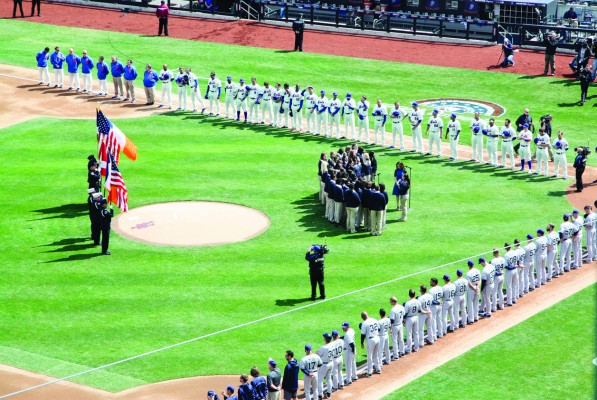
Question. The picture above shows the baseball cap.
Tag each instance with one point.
(345, 325)
(452, 115)
(476, 129)
(446, 277)
(566, 217)
(536, 140)
(436, 111)
(308, 347)
(574, 211)
(334, 333)
(103, 201)
(529, 236)
(348, 94)
(228, 77)
(327, 335)
(323, 92)
(335, 93)
(540, 231)
(211, 393)
(525, 125)
(242, 80)
(212, 73)
(459, 272)
(230, 388)
(272, 362)
(484, 131)
(482, 259)
(309, 87)
(91, 157)
(414, 104)
(315, 248)
(470, 263)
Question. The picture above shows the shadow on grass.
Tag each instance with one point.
(292, 302)
(65, 242)
(75, 257)
(72, 210)
(72, 247)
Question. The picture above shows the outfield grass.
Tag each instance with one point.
(528, 361)
(65, 309)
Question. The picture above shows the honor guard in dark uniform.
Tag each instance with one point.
(105, 223)
(298, 26)
(580, 163)
(93, 201)
(93, 175)
(315, 255)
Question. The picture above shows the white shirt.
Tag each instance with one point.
(520, 256)
(541, 244)
(384, 325)
(488, 274)
(370, 328)
(492, 133)
(325, 353)
(415, 117)
(397, 314)
(349, 105)
(461, 285)
(578, 223)
(322, 104)
(213, 85)
(348, 338)
(437, 293)
(473, 276)
(542, 139)
(363, 106)
(425, 300)
(477, 123)
(590, 221)
(287, 97)
(267, 93)
(296, 97)
(254, 91)
(412, 308)
(563, 144)
(449, 292)
(553, 239)
(397, 115)
(511, 258)
(166, 76)
(230, 88)
(241, 92)
(337, 346)
(277, 95)
(526, 137)
(529, 253)
(499, 263)
(310, 363)
(311, 100)
(335, 105)
(454, 128)
(510, 130)
(567, 229)
(382, 110)
(435, 124)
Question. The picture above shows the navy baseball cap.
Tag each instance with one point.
(334, 333)
(327, 335)
(446, 277)
(574, 211)
(272, 362)
(525, 125)
(436, 111)
(335, 93)
(529, 236)
(566, 217)
(230, 388)
(459, 272)
(308, 347)
(415, 104)
(345, 325)
(540, 231)
(228, 77)
(242, 80)
(452, 115)
(211, 393)
(348, 94)
(470, 263)
(482, 259)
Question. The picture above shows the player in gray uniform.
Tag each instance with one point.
(437, 294)
(520, 254)
(473, 277)
(553, 239)
(499, 263)
(529, 264)
(370, 332)
(310, 364)
(253, 101)
(460, 299)
(311, 113)
(425, 317)
(396, 318)
(448, 305)
(487, 276)
(327, 366)
(541, 258)
(230, 90)
(267, 93)
(578, 222)
(590, 227)
(337, 345)
(350, 352)
(567, 228)
(511, 275)
(412, 309)
(384, 340)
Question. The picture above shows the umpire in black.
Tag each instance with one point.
(298, 26)
(315, 256)
(579, 165)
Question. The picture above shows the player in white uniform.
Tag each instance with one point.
(521, 269)
(363, 114)
(525, 137)
(499, 264)
(416, 118)
(435, 127)
(473, 277)
(448, 305)
(311, 113)
(214, 90)
(437, 293)
(230, 90)
(166, 76)
(493, 134)
(370, 332)
(511, 275)
(529, 263)
(487, 277)
(553, 239)
(541, 258)
(310, 364)
(425, 317)
(397, 115)
(286, 105)
(460, 299)
(590, 230)
(240, 97)
(327, 366)
(507, 134)
(277, 104)
(348, 109)
(477, 125)
(253, 101)
(267, 93)
(334, 108)
(396, 319)
(578, 222)
(297, 109)
(182, 80)
(380, 115)
(195, 90)
(384, 339)
(412, 309)
(322, 114)
(560, 146)
(453, 131)
(350, 352)
(542, 142)
(337, 345)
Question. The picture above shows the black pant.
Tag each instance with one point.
(105, 238)
(163, 26)
(96, 229)
(298, 41)
(579, 172)
(14, 10)
(584, 88)
(33, 4)
(317, 278)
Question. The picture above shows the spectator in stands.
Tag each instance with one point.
(162, 13)
(562, 33)
(572, 17)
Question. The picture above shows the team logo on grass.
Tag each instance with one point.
(464, 106)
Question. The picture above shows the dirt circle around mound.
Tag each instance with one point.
(191, 223)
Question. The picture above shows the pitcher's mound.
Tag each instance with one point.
(191, 223)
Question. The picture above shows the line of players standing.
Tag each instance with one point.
(99, 214)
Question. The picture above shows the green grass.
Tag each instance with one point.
(65, 310)
(527, 361)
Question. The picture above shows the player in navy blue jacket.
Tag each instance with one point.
(338, 201)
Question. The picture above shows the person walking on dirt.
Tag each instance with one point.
(162, 13)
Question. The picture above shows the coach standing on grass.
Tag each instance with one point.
(298, 26)
(162, 13)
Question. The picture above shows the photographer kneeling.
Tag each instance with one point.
(315, 255)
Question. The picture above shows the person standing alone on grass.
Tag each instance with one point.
(551, 44)
(586, 77)
(162, 13)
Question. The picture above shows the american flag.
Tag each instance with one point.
(115, 185)
(108, 143)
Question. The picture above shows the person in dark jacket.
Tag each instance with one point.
(94, 215)
(245, 391)
(579, 164)
(315, 256)
(93, 175)
(551, 44)
(259, 384)
(298, 26)
(373, 165)
(106, 222)
(353, 201)
(290, 378)
(586, 77)
(403, 190)
(377, 205)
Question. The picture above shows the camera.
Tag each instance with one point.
(585, 150)
(320, 248)
(546, 117)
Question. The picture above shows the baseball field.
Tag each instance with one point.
(67, 309)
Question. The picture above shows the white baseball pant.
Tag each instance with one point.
(565, 248)
(182, 97)
(472, 300)
(425, 320)
(87, 82)
(253, 110)
(311, 117)
(325, 372)
(437, 322)
(59, 77)
(560, 161)
(337, 377)
(397, 130)
(454, 146)
(322, 120)
(350, 365)
(460, 307)
(498, 292)
(492, 152)
(363, 124)
(266, 108)
(510, 276)
(196, 94)
(379, 129)
(384, 348)
(44, 74)
(434, 138)
(311, 383)
(74, 80)
(577, 247)
(103, 86)
(230, 106)
(214, 103)
(335, 122)
(297, 119)
(418, 139)
(448, 310)
(542, 161)
(507, 151)
(412, 334)
(540, 262)
(477, 144)
(486, 299)
(397, 340)
(373, 355)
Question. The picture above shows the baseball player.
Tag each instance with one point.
(380, 115)
(416, 118)
(370, 332)
(348, 107)
(520, 255)
(412, 309)
(57, 59)
(230, 90)
(525, 137)
(297, 109)
(435, 127)
(492, 133)
(396, 319)
(322, 114)
(86, 68)
(240, 96)
(350, 352)
(542, 143)
(511, 275)
(182, 80)
(277, 95)
(499, 263)
(327, 366)
(460, 299)
(253, 101)
(73, 61)
(437, 293)
(286, 104)
(541, 258)
(166, 76)
(578, 222)
(310, 364)
(337, 345)
(529, 263)
(363, 114)
(397, 116)
(453, 131)
(477, 125)
(103, 70)
(590, 228)
(384, 340)
(473, 277)
(195, 91)
(487, 276)
(42, 65)
(449, 291)
(560, 146)
(334, 110)
(266, 95)
(507, 134)
(425, 316)
(214, 90)
(310, 112)
(553, 239)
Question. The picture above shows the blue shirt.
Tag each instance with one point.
(130, 73)
(102, 70)
(150, 78)
(378, 202)
(352, 199)
(291, 373)
(245, 392)
(73, 62)
(56, 59)
(86, 64)
(42, 59)
(117, 69)
(259, 387)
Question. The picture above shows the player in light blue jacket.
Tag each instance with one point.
(42, 65)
